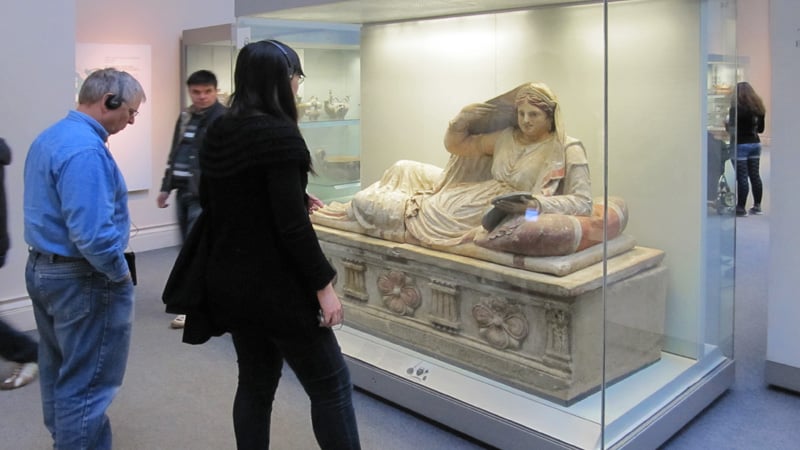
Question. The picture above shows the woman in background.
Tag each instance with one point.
(267, 281)
(746, 116)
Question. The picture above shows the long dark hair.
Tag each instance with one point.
(262, 80)
(748, 99)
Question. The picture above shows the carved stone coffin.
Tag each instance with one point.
(540, 333)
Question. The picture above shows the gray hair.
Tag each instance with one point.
(110, 81)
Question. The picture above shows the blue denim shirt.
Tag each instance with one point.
(76, 200)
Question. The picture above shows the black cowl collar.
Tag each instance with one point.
(233, 144)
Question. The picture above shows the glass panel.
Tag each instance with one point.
(725, 68)
(582, 348)
(667, 155)
(329, 100)
(514, 343)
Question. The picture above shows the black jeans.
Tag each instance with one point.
(320, 368)
(189, 210)
(17, 346)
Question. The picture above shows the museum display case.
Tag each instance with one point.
(328, 101)
(616, 343)
(723, 74)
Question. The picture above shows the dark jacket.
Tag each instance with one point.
(212, 113)
(265, 263)
(748, 125)
(5, 159)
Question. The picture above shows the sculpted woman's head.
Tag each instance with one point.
(538, 96)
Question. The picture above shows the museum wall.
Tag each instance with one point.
(156, 24)
(39, 77)
(417, 76)
(37, 80)
(753, 42)
(783, 356)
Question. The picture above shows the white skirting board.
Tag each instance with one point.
(782, 375)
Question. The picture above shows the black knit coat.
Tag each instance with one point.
(265, 263)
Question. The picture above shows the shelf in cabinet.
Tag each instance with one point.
(327, 123)
(329, 192)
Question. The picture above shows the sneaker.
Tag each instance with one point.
(741, 212)
(756, 210)
(178, 322)
(23, 374)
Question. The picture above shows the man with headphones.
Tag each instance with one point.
(77, 228)
(183, 165)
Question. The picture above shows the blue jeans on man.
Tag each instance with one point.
(84, 321)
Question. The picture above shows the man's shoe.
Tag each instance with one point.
(756, 210)
(22, 375)
(178, 322)
(741, 212)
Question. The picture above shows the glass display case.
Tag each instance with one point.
(616, 345)
(328, 101)
(723, 74)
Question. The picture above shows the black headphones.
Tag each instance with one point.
(289, 65)
(114, 101)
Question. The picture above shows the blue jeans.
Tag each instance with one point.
(84, 321)
(320, 368)
(748, 162)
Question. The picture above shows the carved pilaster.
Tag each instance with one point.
(558, 348)
(445, 307)
(355, 284)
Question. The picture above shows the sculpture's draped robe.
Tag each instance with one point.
(420, 202)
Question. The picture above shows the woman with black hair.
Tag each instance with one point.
(267, 281)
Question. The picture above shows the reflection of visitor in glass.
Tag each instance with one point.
(746, 122)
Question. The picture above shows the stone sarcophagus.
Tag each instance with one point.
(542, 333)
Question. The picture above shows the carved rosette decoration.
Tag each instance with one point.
(399, 293)
(501, 324)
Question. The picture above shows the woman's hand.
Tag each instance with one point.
(314, 203)
(331, 312)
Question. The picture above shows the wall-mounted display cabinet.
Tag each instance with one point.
(723, 74)
(328, 101)
(616, 345)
